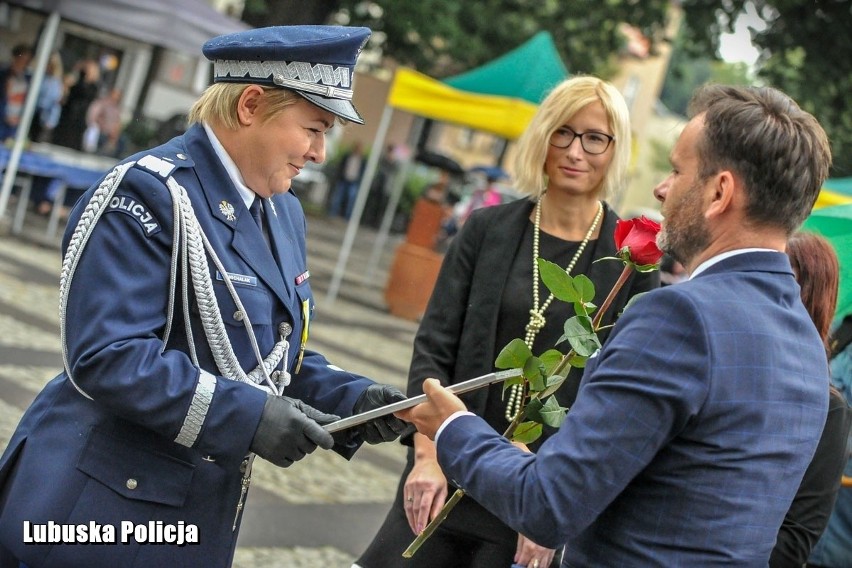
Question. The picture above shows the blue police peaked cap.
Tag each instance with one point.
(318, 62)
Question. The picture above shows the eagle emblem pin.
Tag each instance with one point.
(227, 210)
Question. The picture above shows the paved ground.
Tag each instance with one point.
(322, 511)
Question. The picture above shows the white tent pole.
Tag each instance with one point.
(360, 201)
(400, 176)
(397, 188)
(48, 36)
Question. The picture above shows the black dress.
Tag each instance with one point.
(808, 515)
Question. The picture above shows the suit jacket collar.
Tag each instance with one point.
(756, 261)
(226, 206)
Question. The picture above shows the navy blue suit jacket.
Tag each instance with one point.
(71, 458)
(689, 436)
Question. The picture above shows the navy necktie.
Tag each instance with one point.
(257, 215)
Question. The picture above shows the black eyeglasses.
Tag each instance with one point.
(592, 142)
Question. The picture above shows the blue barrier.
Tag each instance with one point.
(57, 179)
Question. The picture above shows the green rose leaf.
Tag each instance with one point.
(550, 359)
(527, 432)
(514, 355)
(512, 381)
(557, 281)
(578, 361)
(532, 410)
(553, 383)
(580, 334)
(555, 380)
(585, 288)
(534, 373)
(551, 413)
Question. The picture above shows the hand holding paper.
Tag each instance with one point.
(440, 404)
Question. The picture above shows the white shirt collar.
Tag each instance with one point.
(233, 172)
(720, 257)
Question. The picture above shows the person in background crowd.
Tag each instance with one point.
(50, 97)
(104, 115)
(349, 177)
(818, 273)
(377, 199)
(834, 548)
(671, 271)
(573, 154)
(696, 421)
(14, 82)
(83, 85)
(186, 303)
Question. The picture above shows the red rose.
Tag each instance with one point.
(639, 237)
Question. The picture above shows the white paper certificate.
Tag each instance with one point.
(463, 387)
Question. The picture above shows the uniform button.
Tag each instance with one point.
(285, 329)
(131, 483)
(181, 156)
(210, 459)
(243, 466)
(238, 315)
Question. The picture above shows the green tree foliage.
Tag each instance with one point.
(805, 51)
(445, 37)
(689, 70)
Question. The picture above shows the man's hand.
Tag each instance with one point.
(384, 429)
(429, 416)
(289, 429)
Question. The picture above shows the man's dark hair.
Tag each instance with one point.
(778, 150)
(21, 49)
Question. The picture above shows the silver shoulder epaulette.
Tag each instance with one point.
(159, 166)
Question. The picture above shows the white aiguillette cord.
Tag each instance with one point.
(189, 239)
(537, 321)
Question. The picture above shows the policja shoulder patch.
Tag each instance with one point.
(137, 210)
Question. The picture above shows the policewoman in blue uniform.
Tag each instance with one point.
(185, 309)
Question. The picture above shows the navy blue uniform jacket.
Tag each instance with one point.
(72, 458)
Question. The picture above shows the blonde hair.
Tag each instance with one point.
(54, 66)
(218, 103)
(560, 105)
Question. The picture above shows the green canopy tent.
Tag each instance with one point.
(835, 224)
(528, 72)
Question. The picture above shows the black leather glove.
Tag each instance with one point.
(384, 429)
(289, 429)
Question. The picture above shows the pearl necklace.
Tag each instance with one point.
(537, 320)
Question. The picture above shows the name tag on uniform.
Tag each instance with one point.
(302, 277)
(243, 279)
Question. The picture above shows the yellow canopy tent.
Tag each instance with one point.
(835, 191)
(421, 95)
